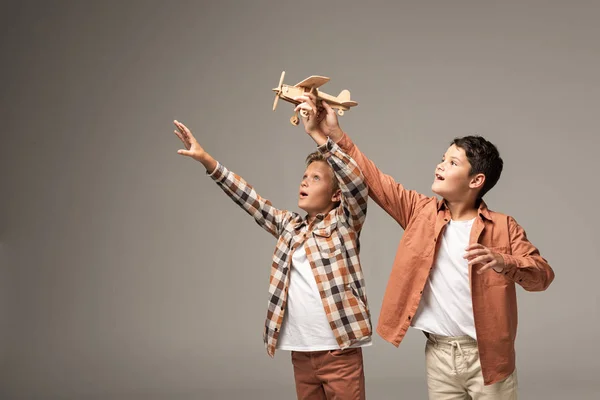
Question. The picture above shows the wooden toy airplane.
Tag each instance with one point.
(341, 102)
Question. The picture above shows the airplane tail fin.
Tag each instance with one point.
(344, 96)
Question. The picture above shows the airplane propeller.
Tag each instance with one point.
(277, 90)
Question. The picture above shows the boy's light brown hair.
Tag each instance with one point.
(318, 156)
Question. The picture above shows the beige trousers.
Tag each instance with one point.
(454, 371)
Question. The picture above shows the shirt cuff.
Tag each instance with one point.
(327, 147)
(218, 173)
(510, 266)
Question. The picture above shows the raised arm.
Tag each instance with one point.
(268, 217)
(397, 201)
(355, 193)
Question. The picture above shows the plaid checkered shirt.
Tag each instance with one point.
(332, 247)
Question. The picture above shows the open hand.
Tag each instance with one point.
(192, 148)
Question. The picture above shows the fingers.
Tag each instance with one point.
(475, 246)
(482, 259)
(184, 130)
(178, 134)
(479, 254)
(179, 126)
(470, 254)
(303, 98)
(304, 106)
(306, 101)
(184, 134)
(186, 142)
(311, 96)
(487, 266)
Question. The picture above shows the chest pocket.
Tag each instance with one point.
(328, 241)
(419, 235)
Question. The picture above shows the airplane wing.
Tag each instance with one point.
(313, 82)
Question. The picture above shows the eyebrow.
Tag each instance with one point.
(454, 157)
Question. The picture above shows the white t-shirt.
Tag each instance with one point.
(446, 307)
(305, 326)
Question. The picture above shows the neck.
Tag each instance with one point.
(462, 210)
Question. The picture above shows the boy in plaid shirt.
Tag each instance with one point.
(317, 301)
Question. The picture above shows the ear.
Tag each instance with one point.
(477, 181)
(337, 196)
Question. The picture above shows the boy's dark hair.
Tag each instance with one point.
(484, 159)
(318, 156)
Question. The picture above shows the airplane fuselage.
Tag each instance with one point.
(288, 93)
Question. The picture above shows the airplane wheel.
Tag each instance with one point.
(294, 120)
(340, 112)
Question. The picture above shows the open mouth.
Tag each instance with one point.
(303, 194)
(438, 177)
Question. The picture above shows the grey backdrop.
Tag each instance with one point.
(125, 273)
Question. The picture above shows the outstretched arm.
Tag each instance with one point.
(268, 217)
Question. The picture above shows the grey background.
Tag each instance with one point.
(125, 273)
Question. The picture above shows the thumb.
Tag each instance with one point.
(185, 153)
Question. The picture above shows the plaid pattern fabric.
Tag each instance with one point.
(332, 247)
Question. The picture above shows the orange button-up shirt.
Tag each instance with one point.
(494, 297)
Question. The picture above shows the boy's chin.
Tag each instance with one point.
(303, 206)
(441, 193)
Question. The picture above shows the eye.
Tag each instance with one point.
(316, 178)
(453, 163)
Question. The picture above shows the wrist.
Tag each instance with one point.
(207, 160)
(202, 157)
(319, 138)
(336, 134)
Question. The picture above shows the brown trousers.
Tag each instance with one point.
(329, 374)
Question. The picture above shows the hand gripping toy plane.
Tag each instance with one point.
(341, 102)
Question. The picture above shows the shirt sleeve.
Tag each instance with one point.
(243, 194)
